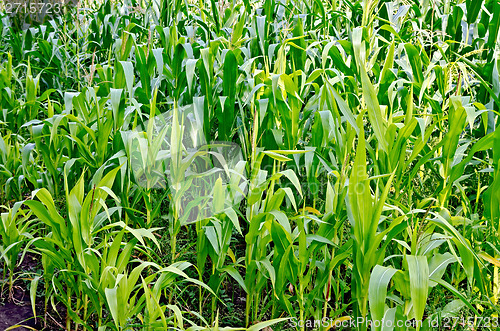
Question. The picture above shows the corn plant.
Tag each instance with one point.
(16, 229)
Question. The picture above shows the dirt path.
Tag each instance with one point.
(11, 314)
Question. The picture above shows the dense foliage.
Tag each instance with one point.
(202, 164)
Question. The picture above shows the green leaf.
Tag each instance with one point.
(415, 62)
(219, 196)
(112, 300)
(263, 325)
(377, 120)
(377, 292)
(473, 9)
(419, 284)
(453, 290)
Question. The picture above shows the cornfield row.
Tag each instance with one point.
(234, 165)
